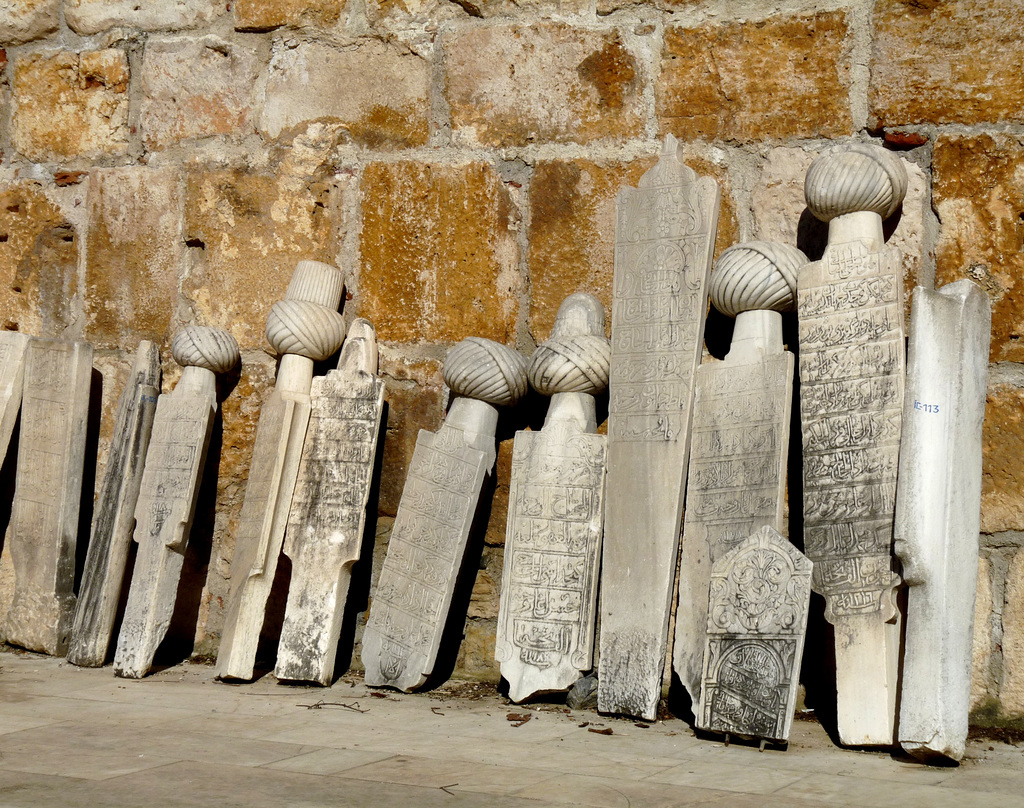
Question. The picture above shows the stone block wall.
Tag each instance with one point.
(165, 163)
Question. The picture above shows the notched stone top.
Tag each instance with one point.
(205, 347)
(756, 275)
(577, 357)
(486, 370)
(856, 177)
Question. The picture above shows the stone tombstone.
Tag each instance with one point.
(547, 610)
(166, 505)
(13, 347)
(114, 519)
(664, 240)
(852, 363)
(328, 515)
(938, 512)
(737, 477)
(757, 617)
(428, 540)
(304, 327)
(47, 494)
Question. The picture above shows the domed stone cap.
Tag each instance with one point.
(203, 346)
(858, 177)
(486, 370)
(577, 357)
(756, 275)
(304, 328)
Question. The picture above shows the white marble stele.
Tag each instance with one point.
(664, 240)
(737, 476)
(47, 495)
(167, 497)
(852, 366)
(328, 515)
(547, 611)
(304, 327)
(410, 606)
(13, 347)
(938, 512)
(114, 519)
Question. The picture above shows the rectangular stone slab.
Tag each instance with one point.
(12, 373)
(664, 239)
(938, 512)
(48, 493)
(114, 519)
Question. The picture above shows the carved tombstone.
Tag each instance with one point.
(757, 617)
(938, 512)
(547, 611)
(167, 496)
(12, 374)
(304, 327)
(48, 493)
(114, 521)
(325, 528)
(664, 240)
(428, 541)
(737, 477)
(852, 364)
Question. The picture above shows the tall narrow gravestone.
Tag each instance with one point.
(114, 521)
(664, 240)
(325, 528)
(852, 364)
(167, 495)
(48, 493)
(737, 477)
(757, 617)
(546, 614)
(938, 512)
(304, 327)
(13, 347)
(428, 541)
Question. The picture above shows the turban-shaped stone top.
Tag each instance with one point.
(858, 177)
(756, 275)
(307, 321)
(576, 359)
(486, 370)
(203, 346)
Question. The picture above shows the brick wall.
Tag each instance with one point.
(165, 163)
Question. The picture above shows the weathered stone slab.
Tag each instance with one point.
(328, 515)
(168, 491)
(852, 364)
(938, 512)
(757, 618)
(13, 347)
(737, 476)
(548, 606)
(428, 541)
(47, 494)
(114, 521)
(664, 238)
(304, 327)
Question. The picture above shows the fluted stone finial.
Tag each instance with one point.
(206, 347)
(486, 370)
(756, 275)
(316, 282)
(577, 357)
(855, 177)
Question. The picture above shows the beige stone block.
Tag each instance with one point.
(476, 653)
(71, 105)
(1011, 694)
(982, 651)
(513, 85)
(24, 20)
(263, 15)
(93, 16)
(1002, 486)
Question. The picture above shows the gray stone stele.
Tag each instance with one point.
(12, 374)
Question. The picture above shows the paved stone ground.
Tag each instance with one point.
(76, 737)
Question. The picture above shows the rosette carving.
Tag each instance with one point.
(203, 346)
(486, 370)
(577, 357)
(858, 177)
(304, 328)
(756, 275)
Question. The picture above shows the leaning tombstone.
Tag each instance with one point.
(167, 496)
(938, 512)
(48, 493)
(737, 477)
(547, 610)
(328, 515)
(850, 306)
(112, 526)
(13, 347)
(411, 604)
(664, 240)
(303, 328)
(757, 617)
